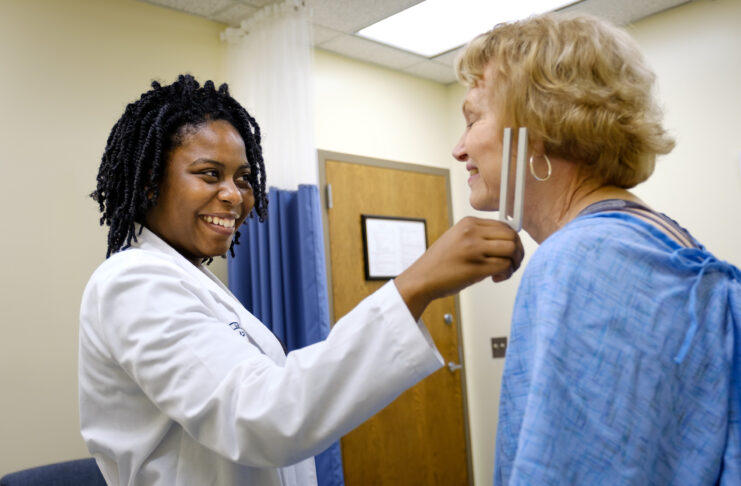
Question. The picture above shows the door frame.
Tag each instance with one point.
(323, 156)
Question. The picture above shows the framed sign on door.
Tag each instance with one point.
(391, 244)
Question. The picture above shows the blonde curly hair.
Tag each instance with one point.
(580, 85)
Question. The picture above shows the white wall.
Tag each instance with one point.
(68, 70)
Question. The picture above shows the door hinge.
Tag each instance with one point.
(329, 196)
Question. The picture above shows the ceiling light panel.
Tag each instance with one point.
(433, 27)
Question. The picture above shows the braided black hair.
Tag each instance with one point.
(140, 142)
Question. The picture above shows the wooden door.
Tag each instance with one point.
(421, 438)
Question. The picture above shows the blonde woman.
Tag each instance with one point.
(621, 366)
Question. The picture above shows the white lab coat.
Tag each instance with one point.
(180, 384)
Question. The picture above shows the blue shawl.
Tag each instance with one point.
(624, 362)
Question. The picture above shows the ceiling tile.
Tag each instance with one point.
(434, 71)
(323, 34)
(367, 50)
(234, 14)
(257, 3)
(351, 16)
(333, 19)
(204, 8)
(625, 11)
(449, 57)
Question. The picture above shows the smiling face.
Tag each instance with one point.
(205, 194)
(480, 147)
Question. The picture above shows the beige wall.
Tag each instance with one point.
(68, 70)
(376, 112)
(696, 51)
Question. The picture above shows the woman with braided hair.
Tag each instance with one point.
(179, 383)
(139, 141)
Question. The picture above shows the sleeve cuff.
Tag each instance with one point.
(419, 350)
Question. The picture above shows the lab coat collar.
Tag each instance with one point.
(148, 240)
(260, 335)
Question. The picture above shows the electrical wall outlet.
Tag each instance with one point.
(498, 347)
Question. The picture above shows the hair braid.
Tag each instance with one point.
(137, 149)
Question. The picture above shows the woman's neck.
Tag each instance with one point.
(553, 203)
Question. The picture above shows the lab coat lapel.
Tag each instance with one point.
(262, 336)
(258, 333)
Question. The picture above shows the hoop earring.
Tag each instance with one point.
(532, 169)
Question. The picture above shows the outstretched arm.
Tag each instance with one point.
(473, 249)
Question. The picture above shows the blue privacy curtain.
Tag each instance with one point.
(279, 275)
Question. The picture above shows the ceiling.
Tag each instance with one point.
(336, 21)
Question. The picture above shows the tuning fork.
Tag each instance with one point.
(515, 221)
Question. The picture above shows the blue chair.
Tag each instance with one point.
(80, 472)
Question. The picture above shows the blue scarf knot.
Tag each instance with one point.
(698, 260)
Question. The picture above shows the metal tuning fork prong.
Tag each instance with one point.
(516, 220)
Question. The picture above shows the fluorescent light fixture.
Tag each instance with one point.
(433, 27)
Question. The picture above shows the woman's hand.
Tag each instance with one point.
(470, 251)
